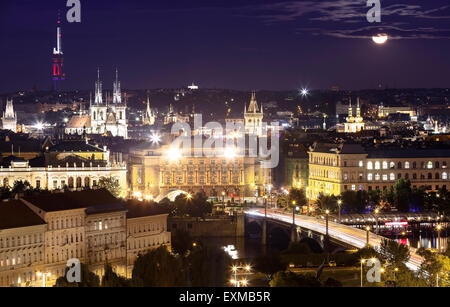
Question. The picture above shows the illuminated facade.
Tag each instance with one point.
(9, 118)
(253, 117)
(44, 231)
(73, 165)
(334, 169)
(354, 123)
(103, 118)
(158, 170)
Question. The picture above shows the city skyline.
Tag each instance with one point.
(273, 45)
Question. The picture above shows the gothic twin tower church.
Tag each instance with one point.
(104, 116)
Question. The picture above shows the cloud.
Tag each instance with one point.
(347, 18)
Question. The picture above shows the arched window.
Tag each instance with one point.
(436, 176)
(399, 176)
(377, 176)
(414, 176)
(430, 165)
(399, 165)
(430, 176)
(369, 165)
(385, 165)
(406, 176)
(414, 165)
(392, 165)
(436, 164)
(392, 176)
(406, 164)
(369, 176)
(377, 165)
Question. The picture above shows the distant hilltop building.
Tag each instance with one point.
(193, 87)
(253, 117)
(103, 118)
(354, 123)
(9, 119)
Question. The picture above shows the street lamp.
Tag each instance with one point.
(395, 275)
(376, 218)
(246, 270)
(293, 212)
(327, 212)
(339, 202)
(223, 197)
(362, 262)
(438, 245)
(367, 234)
(44, 277)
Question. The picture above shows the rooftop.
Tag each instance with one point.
(15, 214)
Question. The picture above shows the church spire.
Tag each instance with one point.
(358, 109)
(98, 89)
(350, 109)
(117, 97)
(253, 107)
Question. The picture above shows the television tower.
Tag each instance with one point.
(58, 59)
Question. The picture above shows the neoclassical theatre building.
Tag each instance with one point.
(68, 164)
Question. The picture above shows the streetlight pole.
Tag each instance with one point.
(44, 277)
(293, 212)
(362, 262)
(327, 212)
(367, 235)
(376, 219)
(339, 206)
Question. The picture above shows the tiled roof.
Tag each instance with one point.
(140, 209)
(15, 214)
(79, 122)
(75, 146)
(71, 200)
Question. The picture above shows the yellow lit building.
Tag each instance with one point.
(354, 123)
(334, 169)
(158, 170)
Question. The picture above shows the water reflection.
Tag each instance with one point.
(425, 241)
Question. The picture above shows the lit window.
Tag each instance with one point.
(392, 165)
(406, 164)
(392, 176)
(369, 176)
(377, 176)
(385, 177)
(430, 164)
(385, 165)
(377, 165)
(361, 164)
(369, 165)
(100, 227)
(444, 176)
(353, 187)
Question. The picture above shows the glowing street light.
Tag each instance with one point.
(304, 92)
(362, 262)
(174, 154)
(44, 277)
(438, 245)
(229, 153)
(367, 234)
(155, 138)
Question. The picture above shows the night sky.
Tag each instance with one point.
(238, 44)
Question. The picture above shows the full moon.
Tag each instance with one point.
(380, 39)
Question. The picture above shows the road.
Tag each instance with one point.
(347, 234)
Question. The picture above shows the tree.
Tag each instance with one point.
(326, 202)
(290, 279)
(112, 280)
(88, 279)
(21, 187)
(110, 184)
(354, 201)
(435, 269)
(299, 196)
(269, 264)
(402, 195)
(301, 248)
(208, 267)
(182, 242)
(394, 253)
(159, 268)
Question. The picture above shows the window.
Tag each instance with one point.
(399, 165)
(392, 165)
(414, 165)
(353, 187)
(377, 165)
(361, 164)
(444, 175)
(369, 176)
(430, 165)
(406, 164)
(436, 164)
(345, 176)
(385, 177)
(436, 176)
(385, 165)
(377, 177)
(369, 165)
(392, 176)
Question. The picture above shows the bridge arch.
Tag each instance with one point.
(171, 195)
